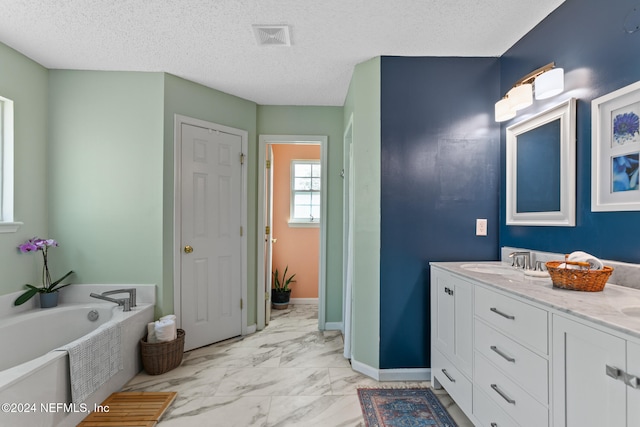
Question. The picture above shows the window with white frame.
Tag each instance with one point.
(7, 224)
(305, 192)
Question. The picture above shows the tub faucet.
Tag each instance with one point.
(130, 291)
(124, 302)
(526, 255)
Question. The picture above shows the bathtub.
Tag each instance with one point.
(34, 378)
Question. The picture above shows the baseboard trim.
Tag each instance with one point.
(408, 374)
(303, 301)
(333, 326)
(365, 369)
(251, 329)
(382, 375)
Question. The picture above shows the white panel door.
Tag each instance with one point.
(211, 189)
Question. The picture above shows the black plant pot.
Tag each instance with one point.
(280, 299)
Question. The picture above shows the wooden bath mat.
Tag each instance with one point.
(131, 409)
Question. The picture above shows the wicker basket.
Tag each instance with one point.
(161, 357)
(578, 280)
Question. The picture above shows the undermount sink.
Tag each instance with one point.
(631, 311)
(489, 268)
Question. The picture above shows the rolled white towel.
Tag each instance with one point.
(165, 330)
(151, 333)
(579, 256)
(173, 318)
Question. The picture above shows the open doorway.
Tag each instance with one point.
(292, 219)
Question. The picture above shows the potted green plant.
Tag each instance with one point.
(49, 290)
(281, 292)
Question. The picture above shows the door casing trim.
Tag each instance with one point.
(263, 140)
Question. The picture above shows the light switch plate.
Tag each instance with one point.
(481, 227)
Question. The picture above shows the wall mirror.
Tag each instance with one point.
(541, 168)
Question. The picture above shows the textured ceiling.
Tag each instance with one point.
(212, 41)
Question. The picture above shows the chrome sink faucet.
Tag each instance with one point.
(525, 256)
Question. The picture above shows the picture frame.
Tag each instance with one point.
(615, 150)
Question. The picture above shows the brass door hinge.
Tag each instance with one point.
(266, 296)
(242, 158)
(268, 164)
(267, 230)
(241, 304)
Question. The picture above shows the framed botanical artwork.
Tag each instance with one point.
(615, 150)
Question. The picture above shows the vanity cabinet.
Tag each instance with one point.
(452, 336)
(595, 376)
(517, 353)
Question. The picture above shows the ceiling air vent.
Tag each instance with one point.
(272, 35)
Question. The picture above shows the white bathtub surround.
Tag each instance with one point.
(44, 376)
(624, 274)
(74, 294)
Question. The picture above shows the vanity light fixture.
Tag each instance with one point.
(546, 81)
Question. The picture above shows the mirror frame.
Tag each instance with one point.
(566, 216)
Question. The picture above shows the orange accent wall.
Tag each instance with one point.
(299, 248)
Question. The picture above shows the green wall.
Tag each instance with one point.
(300, 120)
(191, 99)
(363, 101)
(94, 170)
(25, 83)
(105, 175)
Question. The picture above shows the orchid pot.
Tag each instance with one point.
(49, 286)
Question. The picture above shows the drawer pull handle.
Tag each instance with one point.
(444, 371)
(612, 371)
(501, 393)
(501, 354)
(506, 316)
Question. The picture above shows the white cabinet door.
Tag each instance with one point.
(443, 309)
(584, 394)
(633, 394)
(452, 319)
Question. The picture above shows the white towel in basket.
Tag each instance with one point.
(579, 256)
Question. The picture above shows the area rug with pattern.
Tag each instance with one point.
(402, 407)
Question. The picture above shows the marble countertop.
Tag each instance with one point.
(604, 308)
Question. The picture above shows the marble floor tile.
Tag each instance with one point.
(315, 411)
(289, 374)
(275, 382)
(234, 357)
(238, 411)
(346, 381)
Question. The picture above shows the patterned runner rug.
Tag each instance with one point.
(403, 407)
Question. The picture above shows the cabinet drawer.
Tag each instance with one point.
(456, 384)
(508, 396)
(521, 365)
(523, 322)
(488, 413)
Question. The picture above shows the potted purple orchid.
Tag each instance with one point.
(48, 286)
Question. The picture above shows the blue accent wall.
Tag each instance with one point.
(587, 39)
(439, 172)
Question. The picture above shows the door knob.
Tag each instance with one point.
(188, 249)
